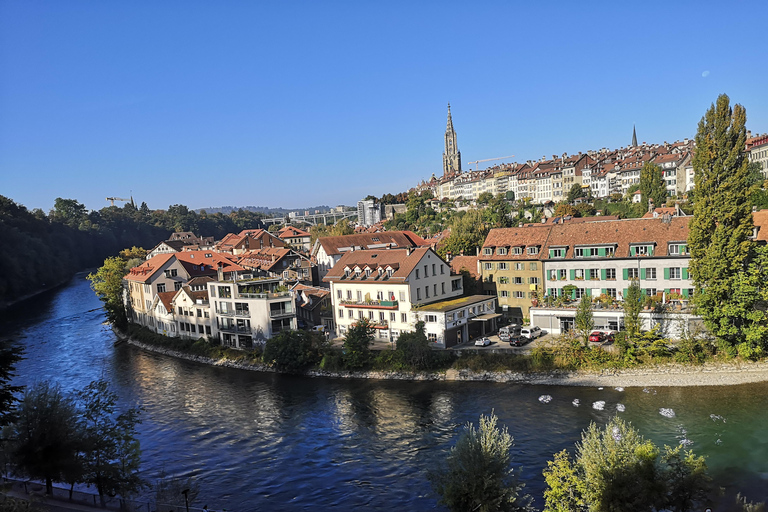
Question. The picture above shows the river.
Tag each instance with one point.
(261, 441)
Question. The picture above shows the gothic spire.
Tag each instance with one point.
(449, 127)
(451, 155)
(634, 133)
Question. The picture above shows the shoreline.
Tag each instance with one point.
(669, 375)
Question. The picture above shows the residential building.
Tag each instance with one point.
(758, 152)
(296, 238)
(248, 312)
(448, 323)
(329, 249)
(247, 240)
(385, 285)
(314, 308)
(368, 213)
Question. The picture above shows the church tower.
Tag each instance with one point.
(451, 155)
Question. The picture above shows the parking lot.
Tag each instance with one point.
(497, 344)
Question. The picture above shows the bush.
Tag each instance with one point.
(294, 350)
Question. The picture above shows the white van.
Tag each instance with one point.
(531, 332)
(509, 332)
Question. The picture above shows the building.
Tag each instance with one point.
(247, 312)
(314, 308)
(329, 249)
(247, 240)
(758, 152)
(448, 323)
(368, 213)
(296, 238)
(451, 153)
(386, 286)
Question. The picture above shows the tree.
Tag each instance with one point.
(616, 469)
(112, 452)
(564, 209)
(414, 348)
(633, 303)
(68, 211)
(45, 442)
(10, 354)
(484, 198)
(357, 344)
(294, 350)
(476, 475)
(576, 192)
(719, 232)
(584, 319)
(652, 185)
(107, 282)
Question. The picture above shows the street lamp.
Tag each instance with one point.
(185, 492)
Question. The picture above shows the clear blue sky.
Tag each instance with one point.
(299, 103)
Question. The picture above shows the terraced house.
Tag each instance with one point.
(511, 268)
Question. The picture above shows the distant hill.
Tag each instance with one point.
(278, 212)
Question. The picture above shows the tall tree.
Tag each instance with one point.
(112, 451)
(652, 185)
(10, 354)
(477, 474)
(357, 344)
(107, 282)
(633, 303)
(45, 438)
(584, 320)
(719, 232)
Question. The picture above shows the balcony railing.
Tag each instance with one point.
(371, 304)
(235, 329)
(276, 313)
(266, 295)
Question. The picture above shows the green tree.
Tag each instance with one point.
(652, 185)
(564, 209)
(476, 475)
(565, 488)
(719, 232)
(45, 440)
(576, 192)
(484, 198)
(414, 348)
(357, 344)
(107, 282)
(686, 478)
(10, 354)
(69, 212)
(584, 320)
(294, 350)
(468, 231)
(633, 303)
(112, 454)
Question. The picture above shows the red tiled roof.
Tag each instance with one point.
(167, 298)
(468, 263)
(402, 261)
(333, 244)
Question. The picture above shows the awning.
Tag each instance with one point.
(486, 317)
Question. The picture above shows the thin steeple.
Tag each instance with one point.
(451, 155)
(634, 133)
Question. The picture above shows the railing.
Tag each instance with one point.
(274, 313)
(372, 304)
(268, 295)
(235, 329)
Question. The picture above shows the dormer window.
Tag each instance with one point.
(488, 251)
(517, 250)
(357, 272)
(367, 272)
(533, 250)
(678, 249)
(501, 251)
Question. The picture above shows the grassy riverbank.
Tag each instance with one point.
(565, 362)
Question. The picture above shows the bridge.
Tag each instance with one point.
(312, 220)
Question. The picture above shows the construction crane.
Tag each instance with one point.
(488, 160)
(113, 199)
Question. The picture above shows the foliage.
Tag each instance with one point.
(652, 185)
(414, 349)
(112, 452)
(295, 350)
(45, 440)
(564, 209)
(357, 344)
(584, 320)
(107, 282)
(10, 504)
(576, 191)
(468, 231)
(10, 354)
(616, 469)
(719, 232)
(633, 303)
(477, 475)
(169, 490)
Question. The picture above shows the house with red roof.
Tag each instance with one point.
(296, 238)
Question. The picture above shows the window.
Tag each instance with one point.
(417, 273)
(578, 273)
(552, 275)
(338, 293)
(359, 296)
(177, 286)
(503, 280)
(360, 314)
(434, 289)
(442, 288)
(346, 272)
(487, 266)
(225, 292)
(518, 250)
(533, 280)
(579, 293)
(503, 266)
(519, 295)
(533, 265)
(392, 317)
(563, 274)
(650, 291)
(381, 316)
(426, 272)
(610, 274)
(181, 311)
(379, 295)
(674, 273)
(594, 274)
(418, 293)
(442, 269)
(533, 250)
(404, 317)
(431, 336)
(430, 318)
(650, 273)
(488, 251)
(578, 252)
(160, 288)
(503, 294)
(557, 253)
(426, 292)
(611, 292)
(402, 296)
(349, 294)
(341, 313)
(519, 266)
(171, 272)
(518, 280)
(641, 250)
(433, 270)
(632, 273)
(501, 251)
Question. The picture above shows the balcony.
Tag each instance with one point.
(266, 295)
(371, 304)
(235, 329)
(281, 312)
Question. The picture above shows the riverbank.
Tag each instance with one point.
(668, 375)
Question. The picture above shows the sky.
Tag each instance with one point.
(300, 103)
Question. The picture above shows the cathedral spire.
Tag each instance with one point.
(634, 132)
(451, 155)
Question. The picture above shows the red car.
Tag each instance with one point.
(600, 337)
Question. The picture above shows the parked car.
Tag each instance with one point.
(601, 336)
(518, 341)
(482, 342)
(508, 332)
(532, 332)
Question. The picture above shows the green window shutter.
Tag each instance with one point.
(684, 249)
(551, 252)
(588, 292)
(632, 252)
(573, 294)
(626, 273)
(602, 274)
(685, 272)
(650, 251)
(643, 292)
(573, 274)
(666, 273)
(666, 290)
(625, 292)
(685, 292)
(642, 273)
(603, 291)
(601, 251)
